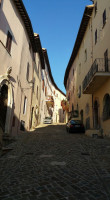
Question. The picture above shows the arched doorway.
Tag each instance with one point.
(3, 105)
(96, 118)
(6, 104)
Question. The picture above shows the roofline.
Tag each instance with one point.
(34, 38)
(27, 23)
(39, 49)
(49, 70)
(83, 26)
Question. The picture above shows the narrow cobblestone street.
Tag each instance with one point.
(51, 164)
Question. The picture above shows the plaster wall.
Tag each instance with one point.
(18, 58)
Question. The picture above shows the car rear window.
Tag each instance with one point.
(75, 122)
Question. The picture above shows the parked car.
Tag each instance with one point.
(75, 126)
(48, 120)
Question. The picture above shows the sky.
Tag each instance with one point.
(57, 22)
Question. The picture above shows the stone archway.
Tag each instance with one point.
(6, 104)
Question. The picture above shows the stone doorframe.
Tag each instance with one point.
(4, 80)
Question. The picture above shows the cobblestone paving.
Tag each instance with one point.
(51, 164)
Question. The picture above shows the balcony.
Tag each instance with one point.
(49, 101)
(65, 105)
(97, 75)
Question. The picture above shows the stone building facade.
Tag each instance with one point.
(22, 63)
(87, 77)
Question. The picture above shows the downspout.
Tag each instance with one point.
(92, 63)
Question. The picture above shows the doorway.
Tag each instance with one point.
(3, 105)
(106, 60)
(96, 117)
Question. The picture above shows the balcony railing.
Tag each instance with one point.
(100, 65)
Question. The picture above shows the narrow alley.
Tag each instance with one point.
(51, 164)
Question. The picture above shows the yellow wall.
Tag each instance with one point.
(82, 66)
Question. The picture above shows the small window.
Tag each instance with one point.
(9, 41)
(27, 74)
(68, 83)
(25, 104)
(43, 85)
(95, 8)
(37, 92)
(79, 92)
(68, 97)
(104, 17)
(79, 68)
(85, 54)
(96, 36)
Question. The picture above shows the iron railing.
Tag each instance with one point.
(99, 65)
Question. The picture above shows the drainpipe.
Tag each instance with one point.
(92, 62)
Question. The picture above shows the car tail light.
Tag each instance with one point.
(71, 125)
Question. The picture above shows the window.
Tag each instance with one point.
(96, 36)
(43, 85)
(68, 83)
(79, 68)
(9, 41)
(79, 92)
(25, 104)
(68, 97)
(106, 107)
(106, 60)
(95, 8)
(27, 74)
(85, 55)
(37, 92)
(104, 17)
